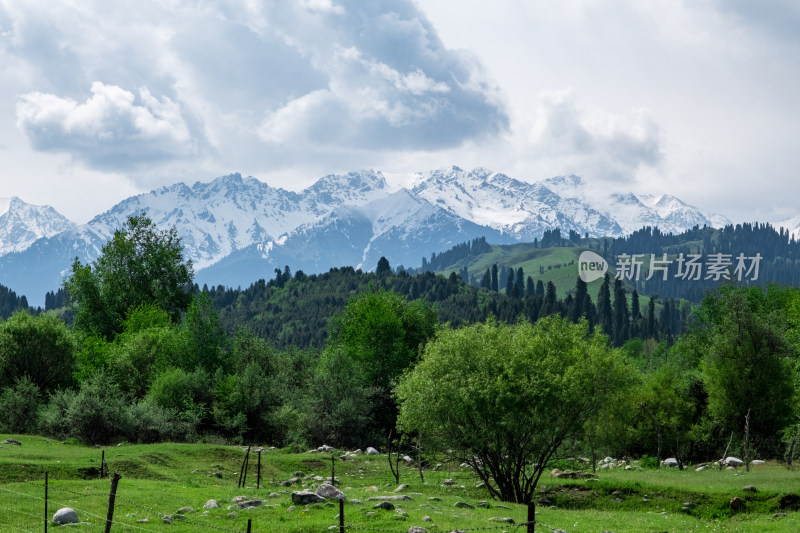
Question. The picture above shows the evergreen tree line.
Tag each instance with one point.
(461, 251)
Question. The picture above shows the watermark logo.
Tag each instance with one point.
(591, 266)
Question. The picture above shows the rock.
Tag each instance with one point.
(397, 498)
(670, 461)
(305, 497)
(757, 462)
(185, 510)
(407, 459)
(749, 488)
(448, 482)
(290, 508)
(483, 505)
(700, 468)
(167, 518)
(143, 521)
(387, 506)
(237, 499)
(401, 488)
(325, 448)
(463, 505)
(329, 492)
(66, 515)
(562, 474)
(250, 504)
(372, 451)
(417, 529)
(427, 518)
(232, 514)
(12, 441)
(733, 461)
(215, 474)
(503, 519)
(778, 515)
(434, 499)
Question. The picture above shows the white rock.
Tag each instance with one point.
(66, 515)
(670, 461)
(372, 451)
(733, 461)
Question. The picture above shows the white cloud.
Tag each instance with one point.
(112, 128)
(598, 143)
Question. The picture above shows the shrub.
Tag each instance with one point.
(153, 423)
(19, 405)
(648, 462)
(53, 417)
(97, 413)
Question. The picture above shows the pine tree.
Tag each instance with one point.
(510, 283)
(495, 284)
(621, 320)
(520, 283)
(604, 318)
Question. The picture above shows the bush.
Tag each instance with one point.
(20, 405)
(97, 413)
(53, 417)
(152, 423)
(648, 462)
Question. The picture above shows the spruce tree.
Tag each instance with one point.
(495, 284)
(621, 320)
(604, 318)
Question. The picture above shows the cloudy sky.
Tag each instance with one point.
(698, 98)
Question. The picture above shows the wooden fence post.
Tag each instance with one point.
(46, 516)
(258, 473)
(249, 524)
(102, 464)
(243, 471)
(333, 471)
(111, 497)
(341, 516)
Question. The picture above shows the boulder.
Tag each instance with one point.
(670, 461)
(387, 506)
(401, 488)
(250, 504)
(65, 515)
(372, 451)
(12, 441)
(503, 519)
(185, 510)
(733, 461)
(395, 498)
(211, 504)
(304, 497)
(329, 492)
(463, 505)
(417, 529)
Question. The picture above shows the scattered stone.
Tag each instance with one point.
(417, 529)
(750, 488)
(216, 475)
(757, 462)
(304, 497)
(143, 521)
(250, 504)
(480, 485)
(401, 488)
(167, 518)
(66, 515)
(733, 461)
(502, 507)
(387, 506)
(185, 510)
(427, 518)
(483, 505)
(12, 441)
(273, 495)
(329, 492)
(562, 474)
(448, 482)
(372, 451)
(396, 498)
(434, 499)
(778, 515)
(700, 468)
(463, 505)
(290, 508)
(503, 519)
(233, 514)
(407, 459)
(237, 499)
(731, 468)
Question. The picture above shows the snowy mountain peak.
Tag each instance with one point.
(21, 224)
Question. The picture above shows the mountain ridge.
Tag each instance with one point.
(234, 228)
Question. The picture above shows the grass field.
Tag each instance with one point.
(157, 480)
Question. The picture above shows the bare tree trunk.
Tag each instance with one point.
(657, 426)
(725, 453)
(790, 453)
(747, 441)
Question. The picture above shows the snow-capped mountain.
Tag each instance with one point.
(792, 225)
(21, 224)
(236, 230)
(633, 211)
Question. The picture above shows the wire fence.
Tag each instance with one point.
(30, 495)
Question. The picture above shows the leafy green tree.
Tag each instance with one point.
(745, 362)
(139, 265)
(206, 342)
(383, 333)
(504, 398)
(39, 347)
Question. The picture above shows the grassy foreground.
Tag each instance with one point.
(159, 479)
